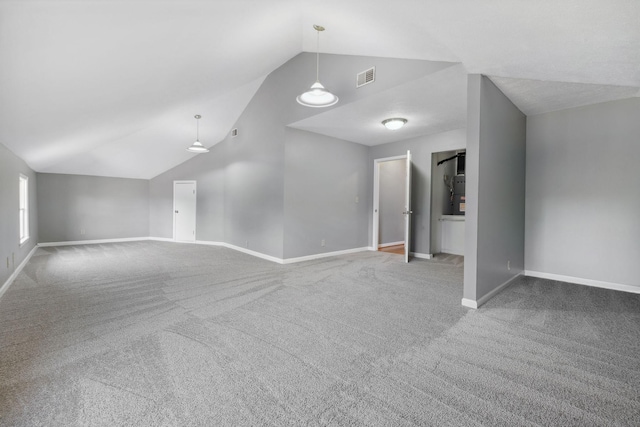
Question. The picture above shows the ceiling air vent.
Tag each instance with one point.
(234, 132)
(366, 77)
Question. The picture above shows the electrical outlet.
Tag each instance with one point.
(82, 231)
(509, 265)
(7, 262)
(322, 242)
(13, 260)
(357, 199)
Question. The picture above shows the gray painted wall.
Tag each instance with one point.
(583, 190)
(208, 170)
(255, 190)
(254, 171)
(422, 149)
(325, 192)
(495, 169)
(392, 201)
(80, 207)
(11, 166)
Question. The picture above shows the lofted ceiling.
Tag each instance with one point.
(110, 88)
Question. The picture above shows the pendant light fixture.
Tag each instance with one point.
(317, 96)
(197, 147)
(395, 123)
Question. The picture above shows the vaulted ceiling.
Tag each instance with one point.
(111, 87)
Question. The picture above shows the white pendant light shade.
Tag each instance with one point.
(197, 146)
(317, 96)
(394, 124)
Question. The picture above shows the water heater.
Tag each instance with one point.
(459, 198)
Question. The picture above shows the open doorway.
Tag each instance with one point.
(448, 203)
(392, 205)
(391, 219)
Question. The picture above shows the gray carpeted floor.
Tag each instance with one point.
(163, 334)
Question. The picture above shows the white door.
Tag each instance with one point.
(184, 211)
(407, 213)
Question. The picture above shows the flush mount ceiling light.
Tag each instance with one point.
(197, 147)
(317, 96)
(395, 123)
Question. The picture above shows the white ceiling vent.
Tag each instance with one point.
(234, 132)
(366, 77)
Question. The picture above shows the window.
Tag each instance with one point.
(24, 209)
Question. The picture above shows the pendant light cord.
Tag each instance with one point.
(318, 57)
(198, 130)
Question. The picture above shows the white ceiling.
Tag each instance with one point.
(110, 87)
(442, 110)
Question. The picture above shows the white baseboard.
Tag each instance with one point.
(161, 239)
(17, 271)
(205, 242)
(281, 260)
(211, 243)
(469, 303)
(240, 249)
(421, 256)
(92, 242)
(323, 255)
(253, 253)
(384, 245)
(582, 281)
(413, 254)
(477, 303)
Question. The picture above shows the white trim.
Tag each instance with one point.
(252, 253)
(390, 159)
(17, 271)
(469, 303)
(385, 245)
(206, 243)
(323, 255)
(211, 243)
(475, 304)
(421, 256)
(586, 282)
(161, 239)
(279, 260)
(407, 206)
(239, 249)
(92, 242)
(376, 196)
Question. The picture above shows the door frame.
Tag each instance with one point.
(376, 197)
(173, 212)
(408, 212)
